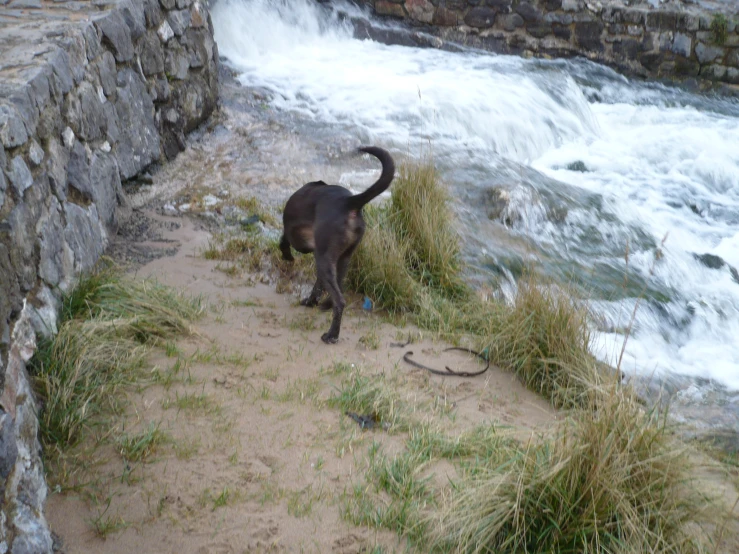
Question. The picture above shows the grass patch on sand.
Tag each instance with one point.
(107, 324)
(610, 478)
(253, 252)
(409, 262)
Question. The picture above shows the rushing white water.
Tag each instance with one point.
(649, 162)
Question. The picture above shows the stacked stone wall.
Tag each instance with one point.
(673, 41)
(91, 94)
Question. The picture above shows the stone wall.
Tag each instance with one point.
(91, 93)
(674, 41)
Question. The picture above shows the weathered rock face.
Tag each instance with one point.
(83, 98)
(675, 40)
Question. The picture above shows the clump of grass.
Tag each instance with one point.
(609, 481)
(247, 249)
(409, 262)
(422, 221)
(252, 251)
(106, 325)
(252, 206)
(371, 396)
(719, 29)
(139, 446)
(545, 337)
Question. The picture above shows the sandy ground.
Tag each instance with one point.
(256, 461)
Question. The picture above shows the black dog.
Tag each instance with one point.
(327, 220)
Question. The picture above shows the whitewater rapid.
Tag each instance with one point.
(594, 165)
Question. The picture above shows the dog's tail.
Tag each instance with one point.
(358, 201)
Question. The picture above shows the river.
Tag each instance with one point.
(622, 189)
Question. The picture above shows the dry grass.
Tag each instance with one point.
(107, 324)
(611, 479)
(409, 262)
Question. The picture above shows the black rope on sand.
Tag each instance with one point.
(449, 372)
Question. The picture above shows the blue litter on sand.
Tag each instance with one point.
(367, 303)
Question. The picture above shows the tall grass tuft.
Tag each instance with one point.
(611, 480)
(106, 324)
(409, 261)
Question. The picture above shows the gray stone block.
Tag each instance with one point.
(35, 153)
(138, 144)
(117, 34)
(85, 114)
(133, 15)
(78, 173)
(25, 4)
(182, 4)
(627, 48)
(112, 131)
(503, 6)
(561, 18)
(539, 30)
(24, 102)
(482, 18)
(56, 259)
(561, 32)
(682, 45)
(74, 46)
(529, 13)
(38, 78)
(511, 22)
(179, 21)
(177, 63)
(714, 71)
(167, 4)
(588, 33)
(19, 175)
(93, 48)
(106, 188)
(61, 81)
(151, 54)
(12, 130)
(106, 69)
(707, 54)
(8, 445)
(22, 220)
(159, 90)
(153, 13)
(56, 167)
(84, 235)
(3, 188)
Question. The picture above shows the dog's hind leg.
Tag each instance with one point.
(342, 267)
(285, 249)
(327, 271)
(312, 299)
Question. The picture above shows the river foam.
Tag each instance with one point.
(625, 165)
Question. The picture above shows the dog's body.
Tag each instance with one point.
(327, 220)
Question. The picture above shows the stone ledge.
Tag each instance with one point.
(91, 93)
(677, 40)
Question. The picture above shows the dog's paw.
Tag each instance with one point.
(288, 257)
(328, 339)
(308, 302)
